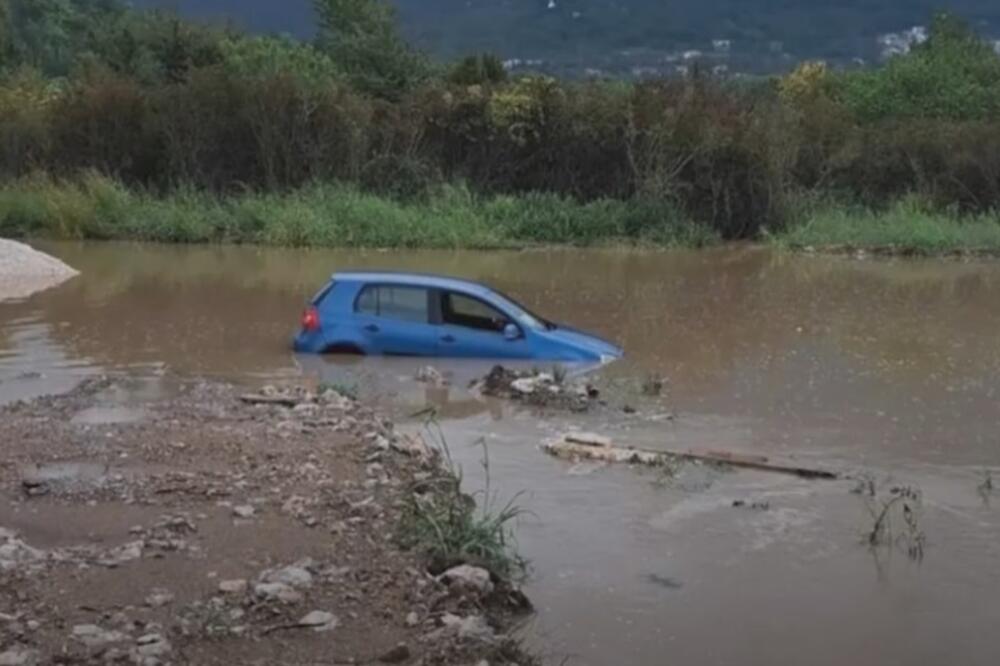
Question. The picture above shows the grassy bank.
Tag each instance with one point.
(905, 228)
(333, 215)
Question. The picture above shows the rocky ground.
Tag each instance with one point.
(23, 270)
(219, 528)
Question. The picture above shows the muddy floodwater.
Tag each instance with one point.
(882, 370)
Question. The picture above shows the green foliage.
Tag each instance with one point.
(909, 226)
(268, 57)
(452, 528)
(954, 75)
(481, 69)
(92, 206)
(399, 176)
(352, 140)
(362, 38)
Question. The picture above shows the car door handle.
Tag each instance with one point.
(371, 328)
(447, 338)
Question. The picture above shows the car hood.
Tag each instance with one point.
(585, 342)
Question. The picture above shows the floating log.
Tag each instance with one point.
(578, 446)
(282, 400)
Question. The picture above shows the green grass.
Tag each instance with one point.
(332, 215)
(451, 527)
(905, 228)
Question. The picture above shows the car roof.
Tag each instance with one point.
(429, 280)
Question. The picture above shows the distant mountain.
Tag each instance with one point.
(601, 33)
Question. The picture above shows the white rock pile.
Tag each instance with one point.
(24, 271)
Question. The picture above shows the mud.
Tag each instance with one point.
(224, 527)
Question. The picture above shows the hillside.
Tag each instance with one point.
(591, 32)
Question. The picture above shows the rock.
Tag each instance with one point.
(18, 657)
(92, 635)
(396, 655)
(295, 576)
(122, 554)
(277, 592)
(473, 629)
(244, 511)
(152, 645)
(412, 619)
(159, 598)
(412, 445)
(14, 552)
(431, 375)
(233, 586)
(525, 385)
(319, 621)
(468, 578)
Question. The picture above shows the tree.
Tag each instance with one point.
(362, 38)
(478, 69)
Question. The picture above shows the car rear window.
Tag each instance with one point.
(389, 302)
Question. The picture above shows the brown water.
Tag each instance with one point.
(886, 368)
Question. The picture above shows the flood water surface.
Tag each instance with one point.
(888, 370)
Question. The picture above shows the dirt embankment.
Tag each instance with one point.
(216, 528)
(24, 271)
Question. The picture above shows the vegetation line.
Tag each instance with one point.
(117, 123)
(335, 215)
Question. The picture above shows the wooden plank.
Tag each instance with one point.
(568, 449)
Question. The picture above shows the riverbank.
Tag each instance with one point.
(905, 229)
(214, 527)
(334, 215)
(450, 217)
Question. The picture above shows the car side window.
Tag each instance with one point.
(461, 310)
(401, 303)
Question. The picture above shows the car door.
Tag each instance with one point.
(472, 328)
(395, 320)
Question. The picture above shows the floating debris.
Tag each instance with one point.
(576, 446)
(537, 388)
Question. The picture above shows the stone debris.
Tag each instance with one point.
(277, 592)
(539, 389)
(24, 270)
(93, 636)
(431, 376)
(238, 586)
(14, 552)
(244, 511)
(396, 655)
(296, 575)
(126, 553)
(319, 621)
(19, 657)
(466, 578)
(150, 650)
(473, 629)
(159, 598)
(335, 463)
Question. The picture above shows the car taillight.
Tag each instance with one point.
(310, 320)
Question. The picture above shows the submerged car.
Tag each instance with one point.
(408, 314)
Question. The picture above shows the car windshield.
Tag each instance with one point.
(523, 316)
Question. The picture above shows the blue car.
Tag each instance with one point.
(407, 314)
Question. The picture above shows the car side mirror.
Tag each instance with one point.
(511, 332)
